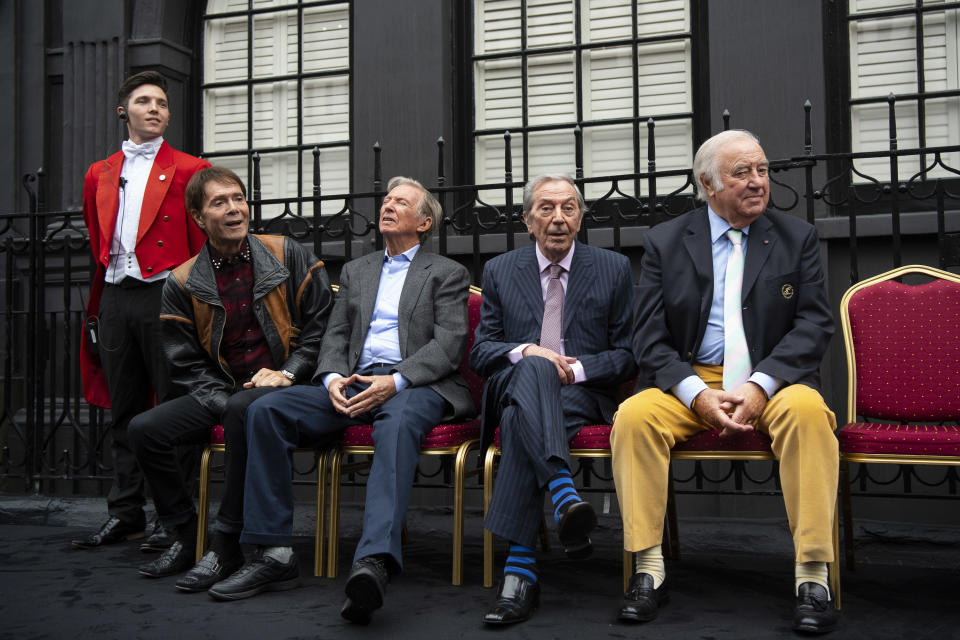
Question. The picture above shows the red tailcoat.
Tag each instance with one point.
(166, 237)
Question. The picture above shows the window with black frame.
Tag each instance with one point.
(908, 48)
(276, 80)
(541, 67)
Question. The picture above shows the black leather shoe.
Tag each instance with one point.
(365, 589)
(113, 530)
(814, 612)
(212, 568)
(574, 528)
(262, 574)
(159, 540)
(177, 559)
(517, 599)
(641, 600)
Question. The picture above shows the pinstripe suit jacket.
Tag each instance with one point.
(432, 321)
(596, 326)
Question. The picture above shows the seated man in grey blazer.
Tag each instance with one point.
(389, 357)
(554, 345)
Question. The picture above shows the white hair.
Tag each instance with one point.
(705, 162)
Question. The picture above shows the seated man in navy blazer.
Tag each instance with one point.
(394, 342)
(554, 345)
(731, 322)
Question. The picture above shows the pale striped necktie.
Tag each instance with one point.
(736, 357)
(552, 326)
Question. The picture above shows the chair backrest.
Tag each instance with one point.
(903, 346)
(474, 381)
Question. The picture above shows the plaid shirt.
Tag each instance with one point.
(244, 347)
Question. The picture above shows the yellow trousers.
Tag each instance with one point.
(649, 424)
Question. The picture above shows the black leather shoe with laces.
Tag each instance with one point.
(365, 589)
(641, 601)
(113, 530)
(814, 612)
(262, 574)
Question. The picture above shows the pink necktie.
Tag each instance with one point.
(552, 325)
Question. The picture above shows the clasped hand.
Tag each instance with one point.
(381, 389)
(731, 411)
(561, 362)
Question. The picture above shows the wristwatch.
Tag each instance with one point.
(288, 375)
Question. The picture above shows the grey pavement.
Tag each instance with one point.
(734, 580)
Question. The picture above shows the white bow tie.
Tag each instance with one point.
(147, 149)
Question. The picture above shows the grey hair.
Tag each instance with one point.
(705, 162)
(429, 206)
(536, 181)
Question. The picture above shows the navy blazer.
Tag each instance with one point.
(596, 322)
(786, 315)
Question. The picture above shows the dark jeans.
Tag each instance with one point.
(303, 416)
(155, 436)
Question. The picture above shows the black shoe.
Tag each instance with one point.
(641, 601)
(574, 528)
(159, 540)
(517, 599)
(113, 530)
(814, 612)
(177, 559)
(365, 589)
(262, 574)
(212, 568)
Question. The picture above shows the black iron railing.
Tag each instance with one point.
(53, 442)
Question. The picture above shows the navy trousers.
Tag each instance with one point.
(303, 416)
(538, 416)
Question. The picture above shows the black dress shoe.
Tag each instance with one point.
(177, 559)
(517, 599)
(641, 600)
(365, 589)
(212, 568)
(814, 612)
(262, 574)
(574, 528)
(113, 530)
(159, 540)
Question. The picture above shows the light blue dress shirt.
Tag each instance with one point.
(382, 344)
(711, 348)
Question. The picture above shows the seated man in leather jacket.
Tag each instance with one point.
(241, 319)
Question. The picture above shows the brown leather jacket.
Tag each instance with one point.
(291, 301)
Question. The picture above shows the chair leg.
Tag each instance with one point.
(334, 531)
(673, 534)
(318, 539)
(847, 515)
(487, 534)
(835, 565)
(203, 501)
(627, 568)
(459, 480)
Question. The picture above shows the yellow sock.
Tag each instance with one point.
(811, 572)
(651, 561)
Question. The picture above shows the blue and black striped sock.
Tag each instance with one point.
(522, 562)
(562, 492)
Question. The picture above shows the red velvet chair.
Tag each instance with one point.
(903, 366)
(444, 440)
(217, 445)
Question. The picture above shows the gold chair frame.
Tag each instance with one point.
(879, 458)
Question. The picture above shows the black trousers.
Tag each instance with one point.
(155, 436)
(130, 352)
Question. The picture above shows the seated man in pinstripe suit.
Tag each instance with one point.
(554, 345)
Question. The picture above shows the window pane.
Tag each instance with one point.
(943, 129)
(274, 124)
(278, 177)
(552, 152)
(326, 109)
(334, 178)
(549, 23)
(274, 53)
(225, 119)
(870, 132)
(499, 101)
(883, 57)
(658, 17)
(225, 52)
(606, 20)
(326, 38)
(552, 89)
(490, 165)
(237, 164)
(608, 83)
(497, 26)
(664, 78)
